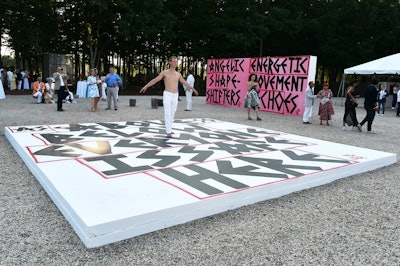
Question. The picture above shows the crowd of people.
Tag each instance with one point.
(13, 80)
(375, 96)
(106, 87)
(42, 90)
(17, 80)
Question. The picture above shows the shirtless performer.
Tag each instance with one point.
(170, 95)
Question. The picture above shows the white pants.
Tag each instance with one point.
(307, 114)
(170, 102)
(188, 99)
(103, 91)
(70, 97)
(38, 96)
(48, 98)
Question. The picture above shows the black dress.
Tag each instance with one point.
(350, 116)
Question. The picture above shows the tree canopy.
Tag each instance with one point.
(341, 33)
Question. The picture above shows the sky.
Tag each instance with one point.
(5, 50)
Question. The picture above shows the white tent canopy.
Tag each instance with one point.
(385, 65)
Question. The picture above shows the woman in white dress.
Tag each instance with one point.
(11, 79)
(2, 94)
(93, 89)
(26, 81)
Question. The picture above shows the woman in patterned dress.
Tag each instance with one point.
(252, 100)
(93, 89)
(325, 111)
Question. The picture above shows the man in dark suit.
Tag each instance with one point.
(370, 104)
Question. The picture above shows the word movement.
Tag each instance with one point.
(129, 171)
(282, 82)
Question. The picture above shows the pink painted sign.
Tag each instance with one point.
(282, 82)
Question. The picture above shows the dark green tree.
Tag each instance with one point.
(29, 26)
(143, 34)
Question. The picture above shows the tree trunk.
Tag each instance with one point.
(84, 75)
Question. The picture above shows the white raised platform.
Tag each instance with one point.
(117, 180)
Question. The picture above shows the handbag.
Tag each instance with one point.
(324, 100)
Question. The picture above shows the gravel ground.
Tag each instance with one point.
(352, 221)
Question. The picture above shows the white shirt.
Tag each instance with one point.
(190, 80)
(382, 94)
(49, 87)
(10, 75)
(61, 81)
